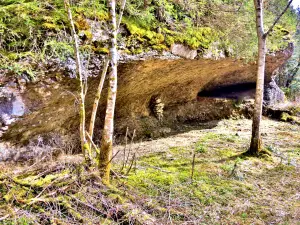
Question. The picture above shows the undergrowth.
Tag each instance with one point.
(32, 31)
(223, 187)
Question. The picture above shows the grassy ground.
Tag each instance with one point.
(158, 186)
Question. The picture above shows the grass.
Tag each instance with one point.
(227, 187)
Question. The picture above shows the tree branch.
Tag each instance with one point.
(278, 18)
(121, 14)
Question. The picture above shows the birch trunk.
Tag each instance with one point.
(256, 142)
(97, 99)
(83, 141)
(102, 79)
(107, 136)
(255, 145)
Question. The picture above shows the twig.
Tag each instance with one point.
(121, 15)
(114, 156)
(132, 161)
(233, 170)
(193, 165)
(88, 205)
(91, 141)
(124, 151)
(4, 217)
(129, 150)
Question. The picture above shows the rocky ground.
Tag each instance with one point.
(199, 176)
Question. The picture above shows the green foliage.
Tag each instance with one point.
(39, 29)
(36, 30)
(19, 221)
(18, 68)
(289, 76)
(200, 148)
(54, 48)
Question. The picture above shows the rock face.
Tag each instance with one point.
(51, 105)
(11, 106)
(273, 94)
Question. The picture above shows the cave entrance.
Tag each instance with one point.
(238, 92)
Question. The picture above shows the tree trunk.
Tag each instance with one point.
(83, 141)
(107, 137)
(97, 99)
(145, 4)
(102, 79)
(256, 143)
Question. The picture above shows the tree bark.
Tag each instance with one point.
(107, 137)
(145, 4)
(255, 145)
(256, 142)
(102, 79)
(97, 99)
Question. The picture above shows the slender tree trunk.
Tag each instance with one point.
(97, 99)
(256, 142)
(107, 136)
(83, 141)
(255, 145)
(102, 79)
(145, 4)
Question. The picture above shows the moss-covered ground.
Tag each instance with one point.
(160, 186)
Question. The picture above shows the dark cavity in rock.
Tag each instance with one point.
(236, 91)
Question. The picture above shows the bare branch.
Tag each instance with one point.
(97, 98)
(278, 18)
(121, 14)
(79, 73)
(91, 141)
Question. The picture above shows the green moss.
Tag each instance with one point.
(170, 40)
(37, 181)
(160, 47)
(193, 37)
(24, 26)
(81, 23)
(15, 193)
(227, 152)
(200, 148)
(136, 51)
(295, 110)
(116, 198)
(286, 117)
(19, 221)
(100, 50)
(50, 26)
(172, 171)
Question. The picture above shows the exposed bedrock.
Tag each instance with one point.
(154, 97)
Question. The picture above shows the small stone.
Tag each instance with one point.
(4, 128)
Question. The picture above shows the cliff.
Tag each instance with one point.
(49, 105)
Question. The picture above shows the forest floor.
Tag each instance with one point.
(199, 176)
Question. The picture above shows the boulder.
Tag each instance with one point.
(273, 94)
(183, 51)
